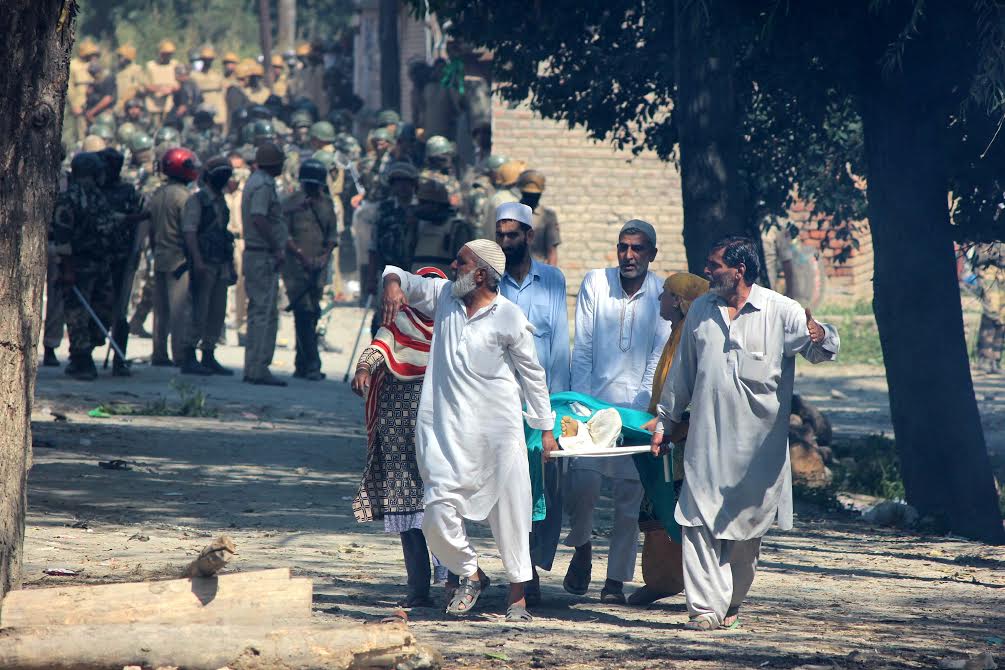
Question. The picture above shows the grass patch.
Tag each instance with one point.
(192, 402)
(868, 465)
(859, 335)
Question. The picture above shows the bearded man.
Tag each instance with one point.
(469, 429)
(734, 369)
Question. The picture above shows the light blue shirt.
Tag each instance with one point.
(541, 297)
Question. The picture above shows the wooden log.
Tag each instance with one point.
(211, 559)
(243, 597)
(196, 647)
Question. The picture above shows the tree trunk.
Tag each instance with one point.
(940, 442)
(390, 57)
(707, 119)
(265, 37)
(286, 17)
(34, 56)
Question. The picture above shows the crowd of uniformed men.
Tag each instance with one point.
(189, 186)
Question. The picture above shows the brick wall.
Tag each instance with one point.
(847, 282)
(594, 189)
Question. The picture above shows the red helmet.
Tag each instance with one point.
(180, 164)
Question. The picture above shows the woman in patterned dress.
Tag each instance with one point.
(389, 376)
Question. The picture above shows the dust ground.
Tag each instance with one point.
(278, 468)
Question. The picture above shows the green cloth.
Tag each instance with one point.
(650, 469)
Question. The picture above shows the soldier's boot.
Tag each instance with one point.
(120, 333)
(210, 363)
(136, 328)
(82, 368)
(49, 359)
(191, 366)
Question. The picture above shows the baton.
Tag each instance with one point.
(80, 297)
(359, 335)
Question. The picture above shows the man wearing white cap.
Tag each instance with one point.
(619, 340)
(469, 430)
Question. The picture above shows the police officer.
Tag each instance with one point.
(547, 236)
(82, 230)
(210, 251)
(137, 115)
(211, 84)
(80, 79)
(265, 235)
(161, 82)
(129, 79)
(128, 212)
(440, 231)
(202, 137)
(439, 167)
(392, 239)
(180, 168)
(505, 178)
(313, 229)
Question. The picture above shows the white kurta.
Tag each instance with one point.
(737, 378)
(469, 434)
(618, 343)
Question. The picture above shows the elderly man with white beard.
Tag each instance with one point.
(483, 369)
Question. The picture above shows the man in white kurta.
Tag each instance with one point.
(734, 369)
(619, 339)
(469, 432)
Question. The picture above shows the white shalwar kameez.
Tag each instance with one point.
(737, 379)
(469, 433)
(618, 343)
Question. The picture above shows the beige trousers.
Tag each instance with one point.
(261, 280)
(209, 307)
(172, 315)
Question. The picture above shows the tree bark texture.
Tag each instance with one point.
(265, 38)
(708, 120)
(943, 457)
(390, 57)
(286, 31)
(35, 48)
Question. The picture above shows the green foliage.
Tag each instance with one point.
(868, 465)
(859, 337)
(192, 403)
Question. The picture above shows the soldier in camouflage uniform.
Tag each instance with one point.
(141, 172)
(392, 241)
(298, 150)
(83, 226)
(989, 264)
(479, 191)
(313, 231)
(202, 137)
(127, 205)
(439, 167)
(440, 231)
(136, 114)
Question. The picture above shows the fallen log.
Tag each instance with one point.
(194, 647)
(242, 597)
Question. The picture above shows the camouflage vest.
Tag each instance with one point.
(84, 219)
(123, 199)
(394, 233)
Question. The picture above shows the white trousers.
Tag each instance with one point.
(581, 494)
(717, 573)
(509, 520)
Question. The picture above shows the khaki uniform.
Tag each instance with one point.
(312, 227)
(239, 297)
(261, 277)
(209, 290)
(257, 96)
(172, 303)
(159, 75)
(281, 86)
(129, 81)
(76, 95)
(546, 233)
(211, 85)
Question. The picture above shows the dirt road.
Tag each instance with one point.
(277, 469)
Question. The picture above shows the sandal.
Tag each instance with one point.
(733, 612)
(466, 596)
(702, 622)
(518, 614)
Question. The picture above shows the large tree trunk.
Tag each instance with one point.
(34, 56)
(286, 31)
(708, 120)
(944, 461)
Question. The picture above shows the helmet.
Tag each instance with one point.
(406, 131)
(181, 164)
(388, 117)
(322, 131)
(431, 190)
(269, 155)
(300, 119)
(256, 70)
(510, 171)
(531, 181)
(437, 145)
(379, 134)
(326, 158)
(303, 49)
(312, 172)
(167, 135)
(263, 130)
(140, 141)
(103, 131)
(230, 57)
(239, 117)
(218, 166)
(347, 145)
(107, 117)
(166, 47)
(207, 53)
(134, 102)
(401, 170)
(86, 164)
(341, 120)
(125, 131)
(494, 162)
(248, 134)
(127, 51)
(92, 143)
(204, 116)
(277, 61)
(89, 48)
(260, 112)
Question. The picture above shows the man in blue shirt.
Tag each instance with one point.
(539, 291)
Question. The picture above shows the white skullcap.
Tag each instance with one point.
(515, 211)
(490, 252)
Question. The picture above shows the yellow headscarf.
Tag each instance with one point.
(689, 287)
